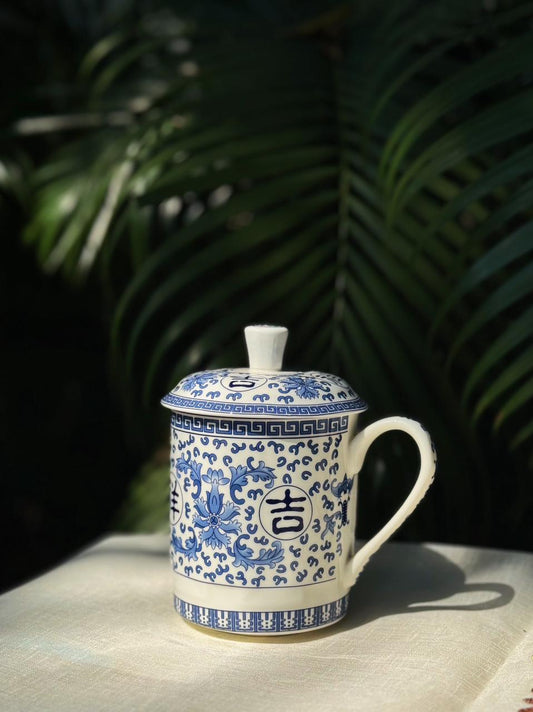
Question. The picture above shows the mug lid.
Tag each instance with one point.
(263, 390)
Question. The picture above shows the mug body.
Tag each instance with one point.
(262, 515)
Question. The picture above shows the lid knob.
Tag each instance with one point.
(265, 346)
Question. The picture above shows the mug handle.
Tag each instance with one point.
(428, 460)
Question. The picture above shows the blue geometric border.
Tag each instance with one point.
(259, 622)
(178, 402)
(244, 427)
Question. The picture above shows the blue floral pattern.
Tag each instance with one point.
(216, 519)
(242, 391)
(305, 387)
(244, 556)
(199, 381)
(222, 537)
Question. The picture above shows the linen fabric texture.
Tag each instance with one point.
(429, 627)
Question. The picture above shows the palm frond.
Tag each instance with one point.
(361, 175)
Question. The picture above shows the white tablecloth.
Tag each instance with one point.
(430, 627)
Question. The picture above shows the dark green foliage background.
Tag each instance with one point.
(360, 172)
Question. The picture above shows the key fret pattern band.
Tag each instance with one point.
(259, 428)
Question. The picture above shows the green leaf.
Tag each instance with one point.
(520, 367)
(504, 121)
(519, 330)
(375, 166)
(518, 244)
(498, 175)
(519, 399)
(497, 66)
(514, 289)
(522, 436)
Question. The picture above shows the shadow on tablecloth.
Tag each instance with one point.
(401, 578)
(413, 578)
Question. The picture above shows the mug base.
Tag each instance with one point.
(263, 622)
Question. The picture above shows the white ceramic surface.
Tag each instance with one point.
(264, 467)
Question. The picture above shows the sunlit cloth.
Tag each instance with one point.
(429, 627)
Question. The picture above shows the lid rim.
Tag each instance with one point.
(200, 407)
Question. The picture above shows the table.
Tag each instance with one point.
(430, 627)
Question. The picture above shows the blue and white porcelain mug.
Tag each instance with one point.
(264, 467)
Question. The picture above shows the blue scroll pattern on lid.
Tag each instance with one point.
(304, 385)
(244, 392)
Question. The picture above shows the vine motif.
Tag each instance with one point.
(215, 521)
(232, 513)
(194, 470)
(244, 556)
(190, 549)
(240, 475)
(196, 383)
(339, 489)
